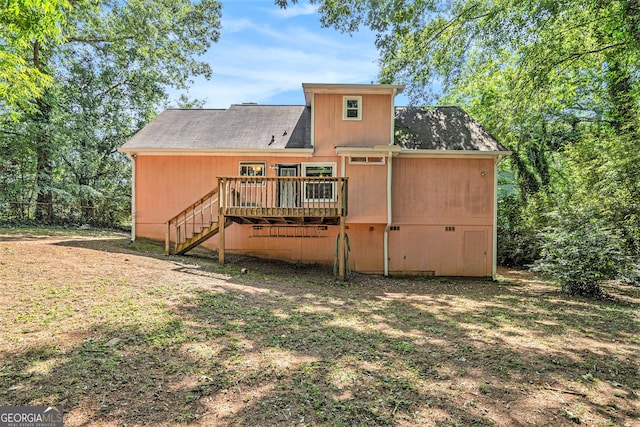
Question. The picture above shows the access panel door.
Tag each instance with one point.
(475, 253)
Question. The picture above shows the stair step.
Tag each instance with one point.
(196, 239)
(199, 238)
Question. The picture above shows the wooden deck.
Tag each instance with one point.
(261, 200)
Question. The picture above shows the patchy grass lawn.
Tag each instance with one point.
(122, 335)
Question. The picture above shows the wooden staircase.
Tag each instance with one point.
(195, 224)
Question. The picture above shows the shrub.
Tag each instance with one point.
(581, 252)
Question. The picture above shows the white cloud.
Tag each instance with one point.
(258, 58)
(295, 10)
(236, 25)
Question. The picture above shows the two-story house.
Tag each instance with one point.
(346, 179)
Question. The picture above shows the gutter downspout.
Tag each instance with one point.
(389, 217)
(133, 196)
(494, 251)
(389, 182)
(313, 122)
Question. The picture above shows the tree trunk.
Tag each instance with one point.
(43, 147)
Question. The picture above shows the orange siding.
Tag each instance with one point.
(434, 250)
(444, 211)
(367, 193)
(367, 250)
(429, 195)
(331, 131)
(240, 239)
(167, 184)
(443, 191)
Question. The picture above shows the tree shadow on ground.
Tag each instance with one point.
(293, 346)
(404, 364)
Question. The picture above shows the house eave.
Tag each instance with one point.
(349, 89)
(452, 154)
(282, 152)
(378, 149)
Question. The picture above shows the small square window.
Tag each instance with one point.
(352, 108)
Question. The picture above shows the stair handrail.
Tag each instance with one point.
(193, 207)
(189, 213)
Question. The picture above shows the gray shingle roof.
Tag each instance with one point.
(441, 128)
(243, 126)
(270, 127)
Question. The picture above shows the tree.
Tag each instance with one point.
(110, 76)
(116, 78)
(26, 27)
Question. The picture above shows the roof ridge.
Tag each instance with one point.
(426, 107)
(194, 109)
(248, 104)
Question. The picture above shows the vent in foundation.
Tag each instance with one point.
(394, 228)
(450, 228)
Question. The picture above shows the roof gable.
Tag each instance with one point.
(241, 127)
(441, 128)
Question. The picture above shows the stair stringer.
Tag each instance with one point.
(199, 238)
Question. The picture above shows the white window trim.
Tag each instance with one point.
(345, 100)
(303, 173)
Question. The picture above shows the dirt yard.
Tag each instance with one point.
(121, 335)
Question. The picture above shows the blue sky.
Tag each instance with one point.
(265, 54)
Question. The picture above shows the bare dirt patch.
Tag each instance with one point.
(122, 335)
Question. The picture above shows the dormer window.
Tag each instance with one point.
(352, 108)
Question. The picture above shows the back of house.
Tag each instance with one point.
(404, 190)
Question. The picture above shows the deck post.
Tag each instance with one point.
(167, 238)
(221, 205)
(342, 270)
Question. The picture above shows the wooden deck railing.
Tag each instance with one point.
(259, 197)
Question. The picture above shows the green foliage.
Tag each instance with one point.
(26, 27)
(604, 170)
(581, 252)
(596, 224)
(110, 76)
(517, 233)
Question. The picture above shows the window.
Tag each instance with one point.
(352, 108)
(318, 190)
(366, 160)
(252, 169)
